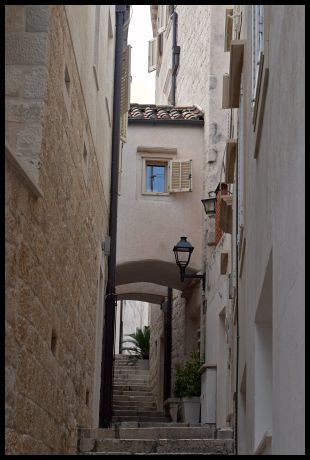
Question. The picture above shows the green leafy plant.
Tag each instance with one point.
(188, 379)
(140, 341)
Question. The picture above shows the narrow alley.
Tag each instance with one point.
(154, 229)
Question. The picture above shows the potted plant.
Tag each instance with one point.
(188, 387)
(140, 349)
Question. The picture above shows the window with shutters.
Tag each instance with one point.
(166, 176)
(152, 56)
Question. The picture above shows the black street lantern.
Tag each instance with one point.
(210, 204)
(183, 251)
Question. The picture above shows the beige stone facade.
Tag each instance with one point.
(269, 183)
(150, 224)
(58, 128)
(202, 62)
(251, 337)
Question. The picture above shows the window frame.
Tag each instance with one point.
(146, 161)
(161, 18)
(257, 45)
(260, 73)
(152, 55)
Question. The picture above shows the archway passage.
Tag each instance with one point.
(155, 272)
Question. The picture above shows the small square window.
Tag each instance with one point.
(156, 176)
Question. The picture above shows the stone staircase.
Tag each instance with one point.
(138, 428)
(132, 397)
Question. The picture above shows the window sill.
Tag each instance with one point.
(155, 193)
(96, 77)
(231, 82)
(264, 442)
(259, 110)
(242, 256)
(21, 168)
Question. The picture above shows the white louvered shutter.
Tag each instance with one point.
(161, 18)
(152, 55)
(125, 92)
(180, 176)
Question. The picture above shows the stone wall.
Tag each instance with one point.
(156, 353)
(185, 326)
(53, 252)
(272, 281)
(26, 28)
(178, 333)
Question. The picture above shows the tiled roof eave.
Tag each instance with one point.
(165, 112)
(165, 121)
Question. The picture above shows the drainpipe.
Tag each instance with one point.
(175, 54)
(168, 345)
(121, 329)
(237, 315)
(105, 406)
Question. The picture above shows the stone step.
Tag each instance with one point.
(120, 358)
(133, 387)
(134, 410)
(134, 375)
(220, 446)
(160, 432)
(132, 405)
(126, 394)
(129, 368)
(130, 375)
(100, 432)
(123, 412)
(127, 365)
(133, 398)
(151, 453)
(130, 380)
(138, 418)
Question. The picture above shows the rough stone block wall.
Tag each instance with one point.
(157, 333)
(178, 354)
(52, 253)
(178, 333)
(26, 39)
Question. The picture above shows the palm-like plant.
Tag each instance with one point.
(140, 341)
(188, 378)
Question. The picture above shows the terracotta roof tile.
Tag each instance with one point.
(166, 112)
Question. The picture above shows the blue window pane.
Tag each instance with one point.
(155, 178)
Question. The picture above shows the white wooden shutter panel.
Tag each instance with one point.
(161, 18)
(180, 176)
(123, 127)
(152, 54)
(125, 92)
(125, 83)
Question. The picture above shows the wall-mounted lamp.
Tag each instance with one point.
(183, 251)
(210, 204)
